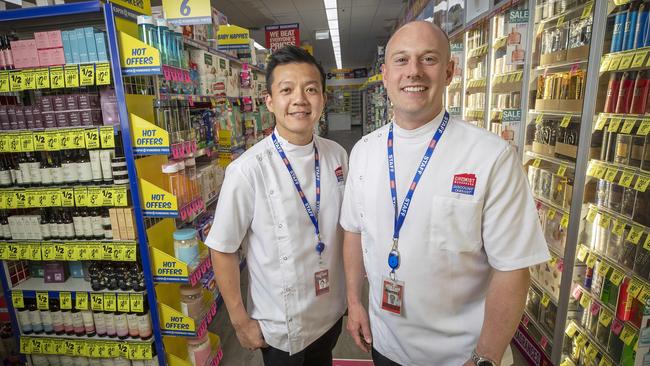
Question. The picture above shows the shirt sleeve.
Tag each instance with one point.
(350, 213)
(234, 212)
(512, 234)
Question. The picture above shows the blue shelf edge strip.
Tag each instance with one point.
(50, 11)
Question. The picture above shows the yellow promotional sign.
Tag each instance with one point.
(139, 6)
(157, 201)
(149, 139)
(138, 58)
(173, 322)
(187, 12)
(232, 37)
(166, 266)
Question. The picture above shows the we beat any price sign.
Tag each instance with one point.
(280, 35)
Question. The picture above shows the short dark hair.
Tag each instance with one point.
(291, 55)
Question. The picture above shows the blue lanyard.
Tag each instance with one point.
(320, 246)
(400, 216)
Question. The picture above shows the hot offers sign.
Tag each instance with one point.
(280, 35)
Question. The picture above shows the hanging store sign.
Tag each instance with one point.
(517, 34)
(130, 9)
(149, 139)
(137, 57)
(511, 115)
(280, 35)
(187, 12)
(157, 202)
(232, 37)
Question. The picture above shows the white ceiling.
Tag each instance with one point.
(363, 24)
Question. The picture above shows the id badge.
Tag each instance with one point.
(392, 295)
(322, 282)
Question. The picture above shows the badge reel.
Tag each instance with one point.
(392, 293)
(322, 277)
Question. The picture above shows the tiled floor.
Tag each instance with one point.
(235, 355)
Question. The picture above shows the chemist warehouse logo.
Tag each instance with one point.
(464, 184)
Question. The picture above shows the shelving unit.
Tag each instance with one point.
(210, 122)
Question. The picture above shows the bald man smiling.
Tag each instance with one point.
(438, 214)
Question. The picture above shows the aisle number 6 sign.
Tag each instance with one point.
(188, 12)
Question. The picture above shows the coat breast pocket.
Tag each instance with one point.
(456, 224)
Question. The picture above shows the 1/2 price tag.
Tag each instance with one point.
(16, 81)
(42, 301)
(91, 137)
(97, 302)
(87, 75)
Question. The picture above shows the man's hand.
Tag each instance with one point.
(359, 326)
(250, 335)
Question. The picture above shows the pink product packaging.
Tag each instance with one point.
(51, 57)
(24, 53)
(109, 106)
(51, 39)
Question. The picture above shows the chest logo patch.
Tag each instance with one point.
(464, 183)
(339, 174)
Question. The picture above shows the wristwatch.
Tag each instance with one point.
(481, 361)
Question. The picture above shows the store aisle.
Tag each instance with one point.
(347, 139)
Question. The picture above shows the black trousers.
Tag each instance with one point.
(380, 360)
(319, 353)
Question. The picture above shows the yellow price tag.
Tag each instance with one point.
(129, 253)
(72, 76)
(644, 128)
(107, 135)
(137, 303)
(564, 222)
(603, 268)
(103, 74)
(107, 251)
(635, 288)
(582, 252)
(614, 63)
(536, 163)
(81, 301)
(634, 235)
(560, 21)
(12, 252)
(614, 124)
(4, 82)
(571, 330)
(600, 123)
(646, 243)
(618, 227)
(599, 171)
(120, 198)
(65, 300)
(25, 345)
(52, 141)
(37, 346)
(91, 137)
(24, 252)
(604, 63)
(539, 119)
(551, 213)
(626, 61)
(87, 75)
(644, 295)
(616, 277)
(35, 252)
(626, 179)
(97, 302)
(16, 81)
(561, 170)
(591, 352)
(57, 77)
(611, 174)
(47, 347)
(627, 335)
(123, 303)
(81, 196)
(94, 197)
(29, 80)
(581, 340)
(585, 300)
(95, 252)
(642, 183)
(628, 125)
(42, 300)
(586, 12)
(42, 78)
(546, 300)
(605, 317)
(17, 299)
(639, 58)
(110, 303)
(81, 348)
(565, 121)
(83, 252)
(591, 169)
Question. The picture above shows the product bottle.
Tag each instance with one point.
(57, 169)
(619, 28)
(96, 220)
(121, 325)
(641, 24)
(54, 228)
(85, 171)
(106, 224)
(5, 172)
(96, 166)
(163, 40)
(9, 59)
(630, 26)
(88, 224)
(24, 170)
(89, 324)
(78, 323)
(134, 327)
(70, 169)
(109, 318)
(100, 323)
(641, 90)
(77, 222)
(625, 92)
(147, 30)
(34, 169)
(46, 319)
(45, 225)
(60, 224)
(46, 170)
(144, 324)
(35, 317)
(57, 317)
(68, 224)
(24, 321)
(67, 322)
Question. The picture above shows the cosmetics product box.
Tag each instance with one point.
(112, 212)
(81, 44)
(100, 43)
(42, 41)
(67, 46)
(24, 53)
(74, 47)
(91, 44)
(55, 272)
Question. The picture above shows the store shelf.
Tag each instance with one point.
(37, 12)
(557, 161)
(554, 113)
(500, 42)
(592, 340)
(87, 338)
(539, 327)
(580, 7)
(543, 291)
(561, 65)
(592, 297)
(32, 285)
(551, 204)
(204, 46)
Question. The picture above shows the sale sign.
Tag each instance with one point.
(280, 35)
